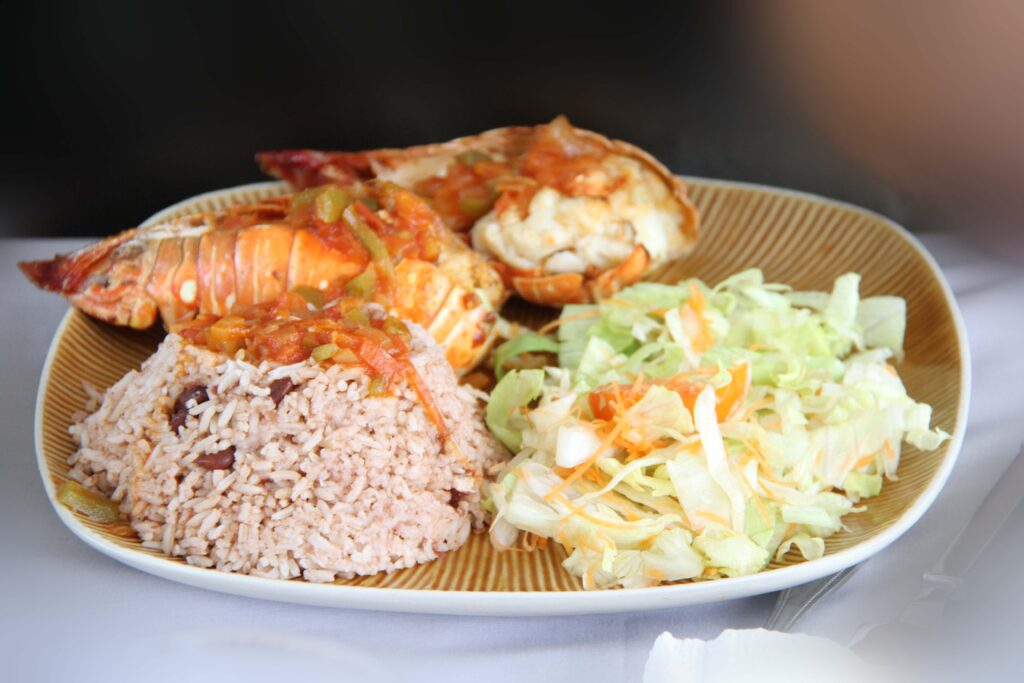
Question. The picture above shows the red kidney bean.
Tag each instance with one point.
(280, 388)
(221, 460)
(179, 413)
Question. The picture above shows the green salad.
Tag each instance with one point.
(693, 432)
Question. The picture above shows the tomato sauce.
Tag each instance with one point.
(374, 227)
(404, 223)
(563, 159)
(467, 190)
(474, 183)
(344, 333)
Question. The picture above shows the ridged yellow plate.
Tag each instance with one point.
(798, 239)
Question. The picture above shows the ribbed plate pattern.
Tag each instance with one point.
(797, 239)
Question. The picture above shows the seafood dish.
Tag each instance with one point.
(318, 244)
(315, 409)
(565, 214)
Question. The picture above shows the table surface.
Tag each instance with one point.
(67, 611)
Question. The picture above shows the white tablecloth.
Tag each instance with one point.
(70, 613)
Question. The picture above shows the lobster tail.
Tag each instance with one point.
(284, 253)
(66, 273)
(607, 213)
(103, 279)
(44, 274)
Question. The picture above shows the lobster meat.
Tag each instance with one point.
(565, 214)
(372, 240)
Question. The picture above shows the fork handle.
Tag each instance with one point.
(943, 580)
(969, 544)
(793, 603)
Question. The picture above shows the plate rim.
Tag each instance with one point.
(533, 603)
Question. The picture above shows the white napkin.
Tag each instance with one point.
(754, 655)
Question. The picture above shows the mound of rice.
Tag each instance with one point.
(328, 484)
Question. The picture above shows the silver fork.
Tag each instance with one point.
(793, 603)
(938, 585)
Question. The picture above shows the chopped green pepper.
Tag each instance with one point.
(362, 285)
(369, 239)
(330, 203)
(305, 197)
(347, 356)
(312, 295)
(357, 316)
(324, 351)
(471, 157)
(475, 206)
(394, 326)
(91, 504)
(377, 387)
(371, 203)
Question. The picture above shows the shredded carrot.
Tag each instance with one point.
(890, 454)
(755, 406)
(767, 472)
(385, 365)
(758, 502)
(532, 541)
(693, 311)
(732, 395)
(618, 302)
(711, 516)
(595, 476)
(586, 465)
(697, 300)
(579, 510)
(459, 455)
(601, 522)
(865, 461)
(664, 507)
(565, 541)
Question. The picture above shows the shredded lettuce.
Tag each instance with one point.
(729, 552)
(517, 346)
(691, 432)
(512, 393)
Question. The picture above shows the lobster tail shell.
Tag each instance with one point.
(66, 273)
(424, 168)
(303, 168)
(209, 263)
(44, 274)
(105, 280)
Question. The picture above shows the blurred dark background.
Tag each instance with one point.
(114, 110)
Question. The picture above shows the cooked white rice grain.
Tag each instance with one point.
(329, 484)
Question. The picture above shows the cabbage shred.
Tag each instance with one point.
(691, 432)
